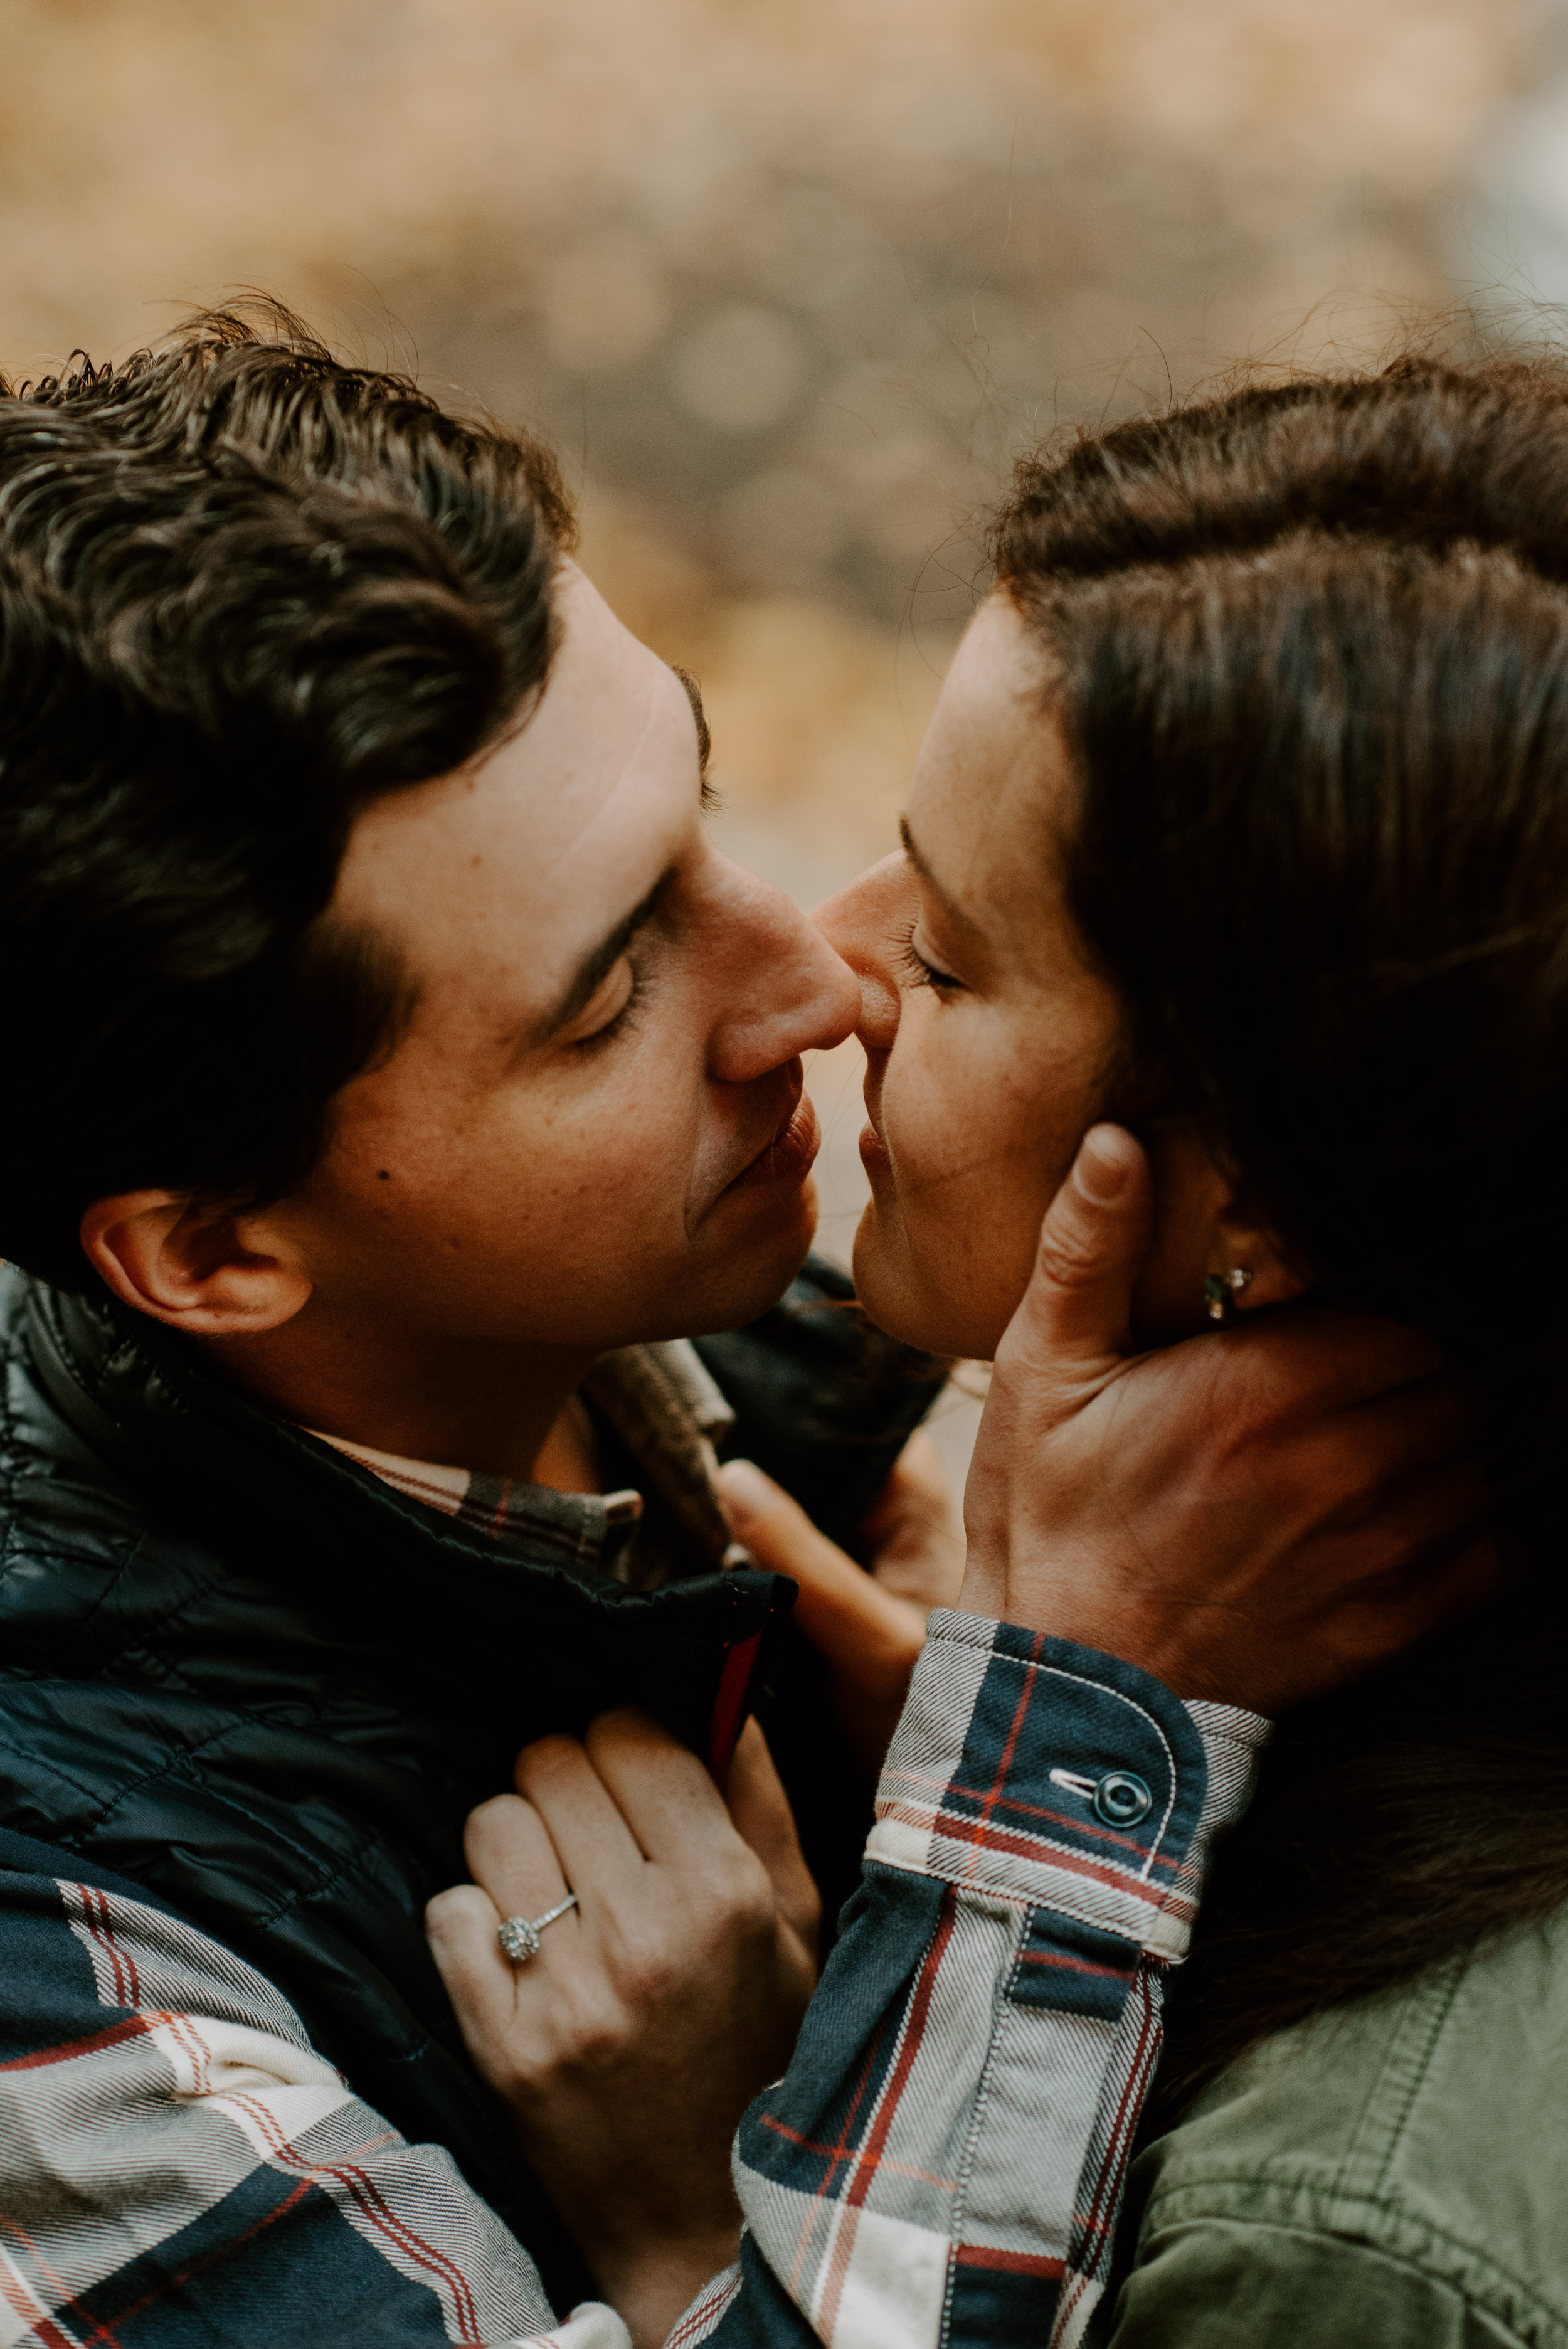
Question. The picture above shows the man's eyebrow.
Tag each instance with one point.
(602, 959)
(949, 905)
(704, 736)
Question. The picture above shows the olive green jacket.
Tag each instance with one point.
(1391, 2175)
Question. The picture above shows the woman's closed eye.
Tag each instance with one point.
(922, 973)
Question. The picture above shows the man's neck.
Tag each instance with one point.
(461, 1402)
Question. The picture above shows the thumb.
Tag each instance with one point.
(1094, 1243)
(841, 1610)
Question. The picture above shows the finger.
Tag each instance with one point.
(913, 1535)
(1472, 1573)
(512, 1857)
(460, 1927)
(1398, 1539)
(1412, 1451)
(1326, 1358)
(1388, 1621)
(855, 1622)
(665, 1794)
(1431, 1412)
(918, 1487)
(761, 1810)
(1094, 1243)
(597, 1849)
(1422, 1436)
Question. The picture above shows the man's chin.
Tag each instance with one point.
(754, 1274)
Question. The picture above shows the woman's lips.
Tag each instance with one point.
(788, 1157)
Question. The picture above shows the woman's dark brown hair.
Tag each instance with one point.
(1311, 646)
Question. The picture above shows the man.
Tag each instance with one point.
(398, 1078)
(348, 1101)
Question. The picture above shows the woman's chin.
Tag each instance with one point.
(894, 1294)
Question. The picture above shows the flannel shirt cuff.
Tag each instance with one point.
(1032, 1770)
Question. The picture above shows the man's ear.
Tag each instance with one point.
(195, 1268)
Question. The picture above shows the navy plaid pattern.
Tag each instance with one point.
(668, 1410)
(941, 2165)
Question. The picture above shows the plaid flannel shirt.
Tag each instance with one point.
(942, 2162)
(666, 1411)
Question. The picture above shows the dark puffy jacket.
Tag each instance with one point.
(251, 1678)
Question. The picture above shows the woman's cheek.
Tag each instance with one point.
(927, 1110)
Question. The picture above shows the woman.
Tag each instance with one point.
(1244, 822)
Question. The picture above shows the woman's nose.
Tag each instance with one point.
(862, 924)
(794, 994)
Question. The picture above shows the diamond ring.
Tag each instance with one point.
(519, 1936)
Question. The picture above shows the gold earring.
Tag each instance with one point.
(1221, 1290)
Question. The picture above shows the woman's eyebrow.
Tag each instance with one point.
(949, 903)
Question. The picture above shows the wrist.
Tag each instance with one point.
(1063, 1599)
(1189, 1648)
(651, 2283)
(1039, 1770)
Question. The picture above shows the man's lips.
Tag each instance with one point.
(787, 1156)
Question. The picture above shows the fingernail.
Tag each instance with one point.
(746, 1491)
(1102, 1165)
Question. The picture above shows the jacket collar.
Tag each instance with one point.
(536, 1618)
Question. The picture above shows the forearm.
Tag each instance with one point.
(944, 2157)
(174, 2155)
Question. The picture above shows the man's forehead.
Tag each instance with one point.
(604, 692)
(520, 864)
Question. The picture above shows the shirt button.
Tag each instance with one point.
(1122, 1799)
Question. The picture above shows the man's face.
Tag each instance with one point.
(592, 1129)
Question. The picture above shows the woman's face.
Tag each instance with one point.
(987, 1040)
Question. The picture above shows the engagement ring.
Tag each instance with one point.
(519, 1936)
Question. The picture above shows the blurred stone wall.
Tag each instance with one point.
(788, 280)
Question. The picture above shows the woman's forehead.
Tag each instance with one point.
(993, 788)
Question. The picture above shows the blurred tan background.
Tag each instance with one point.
(787, 281)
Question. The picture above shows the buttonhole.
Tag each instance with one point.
(1075, 1783)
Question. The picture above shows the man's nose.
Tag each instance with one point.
(790, 992)
(862, 924)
